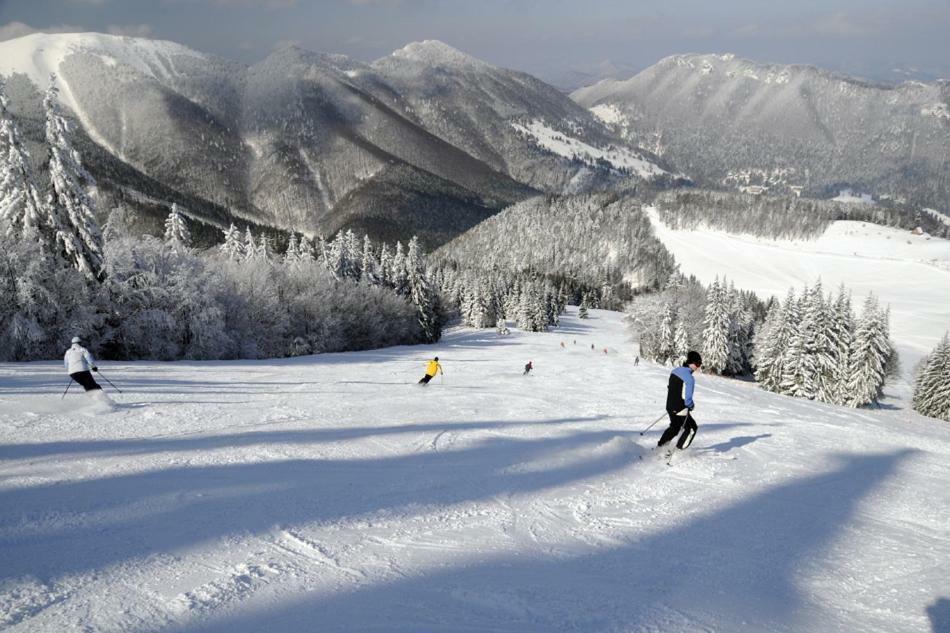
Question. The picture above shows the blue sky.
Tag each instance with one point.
(548, 38)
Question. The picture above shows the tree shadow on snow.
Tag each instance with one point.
(739, 568)
(50, 530)
(939, 614)
(736, 442)
(195, 442)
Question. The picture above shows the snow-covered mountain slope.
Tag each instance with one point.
(286, 143)
(293, 141)
(910, 273)
(593, 238)
(721, 119)
(331, 492)
(494, 114)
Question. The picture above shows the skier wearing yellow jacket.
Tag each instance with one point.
(431, 369)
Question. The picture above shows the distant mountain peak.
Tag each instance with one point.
(39, 54)
(436, 53)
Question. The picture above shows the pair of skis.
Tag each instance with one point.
(668, 457)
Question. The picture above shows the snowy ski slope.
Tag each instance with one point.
(910, 273)
(330, 493)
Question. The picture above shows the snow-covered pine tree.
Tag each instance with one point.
(869, 355)
(335, 260)
(422, 295)
(511, 302)
(305, 250)
(814, 363)
(527, 308)
(21, 207)
(716, 329)
(400, 276)
(541, 316)
(70, 212)
(932, 385)
(368, 264)
(736, 354)
(789, 355)
(352, 256)
(385, 266)
(768, 346)
(584, 307)
(475, 305)
(842, 338)
(250, 245)
(292, 254)
(176, 228)
(263, 251)
(665, 342)
(232, 247)
(680, 342)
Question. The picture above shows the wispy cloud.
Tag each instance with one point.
(12, 30)
(130, 30)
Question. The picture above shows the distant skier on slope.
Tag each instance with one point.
(79, 362)
(431, 370)
(679, 396)
(527, 368)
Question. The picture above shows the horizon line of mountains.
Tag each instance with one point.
(432, 141)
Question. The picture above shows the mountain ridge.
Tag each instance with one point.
(280, 142)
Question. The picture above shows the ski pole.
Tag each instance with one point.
(108, 381)
(655, 422)
(68, 385)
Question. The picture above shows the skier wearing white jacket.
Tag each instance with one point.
(79, 362)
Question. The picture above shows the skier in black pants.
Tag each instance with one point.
(679, 396)
(78, 362)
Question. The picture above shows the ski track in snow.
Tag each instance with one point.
(331, 493)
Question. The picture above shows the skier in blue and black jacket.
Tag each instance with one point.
(679, 402)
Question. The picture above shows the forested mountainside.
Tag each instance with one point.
(729, 122)
(595, 239)
(316, 142)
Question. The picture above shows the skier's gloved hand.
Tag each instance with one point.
(94, 368)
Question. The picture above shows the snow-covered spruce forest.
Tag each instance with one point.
(138, 297)
(809, 346)
(785, 217)
(599, 245)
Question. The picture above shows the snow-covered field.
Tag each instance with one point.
(331, 493)
(910, 273)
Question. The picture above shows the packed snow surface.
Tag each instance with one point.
(331, 493)
(910, 273)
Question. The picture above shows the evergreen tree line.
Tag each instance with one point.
(932, 386)
(811, 346)
(483, 299)
(720, 321)
(138, 297)
(779, 217)
(600, 242)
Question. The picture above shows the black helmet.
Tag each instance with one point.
(436, 358)
(693, 358)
